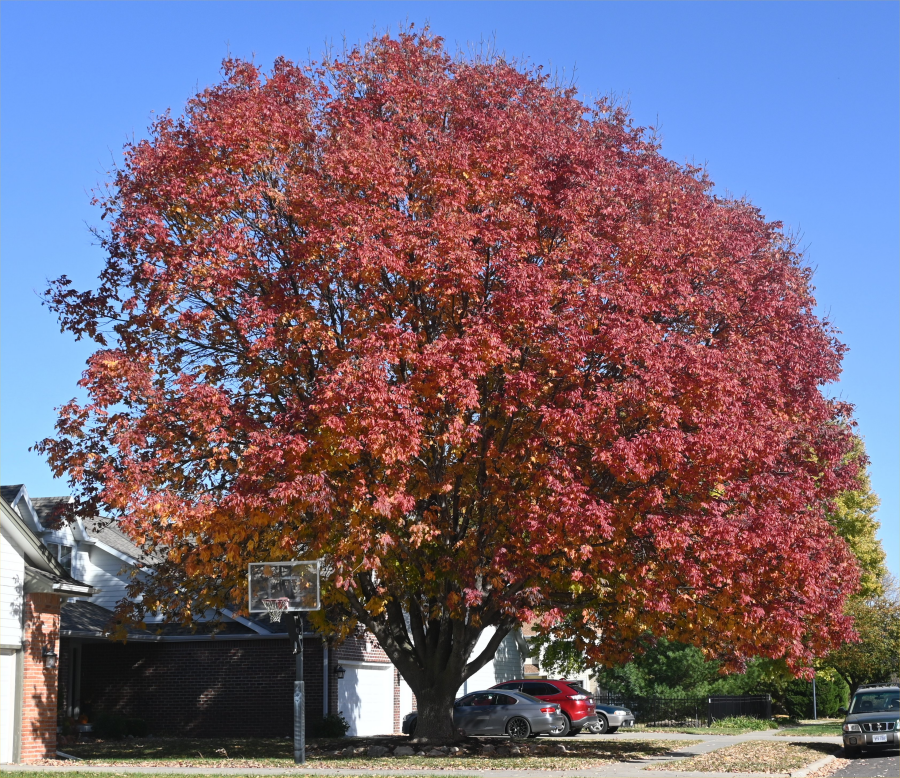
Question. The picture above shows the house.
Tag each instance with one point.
(33, 585)
(234, 677)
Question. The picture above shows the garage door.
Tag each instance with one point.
(366, 698)
(7, 703)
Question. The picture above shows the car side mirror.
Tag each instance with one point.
(842, 710)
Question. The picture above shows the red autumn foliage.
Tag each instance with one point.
(480, 347)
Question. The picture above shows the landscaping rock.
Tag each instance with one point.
(455, 750)
(420, 753)
(487, 750)
(377, 751)
(435, 752)
(559, 748)
(515, 750)
(404, 751)
(359, 750)
(502, 751)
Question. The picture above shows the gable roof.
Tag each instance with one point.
(105, 530)
(9, 493)
(51, 511)
(43, 571)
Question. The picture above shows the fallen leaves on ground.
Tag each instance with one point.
(275, 754)
(753, 756)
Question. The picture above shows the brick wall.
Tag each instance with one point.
(40, 683)
(201, 688)
(397, 721)
(361, 647)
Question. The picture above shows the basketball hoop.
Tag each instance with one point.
(275, 607)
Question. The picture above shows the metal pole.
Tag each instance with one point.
(295, 632)
(815, 717)
(299, 701)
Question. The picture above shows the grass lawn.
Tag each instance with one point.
(341, 754)
(754, 756)
(813, 729)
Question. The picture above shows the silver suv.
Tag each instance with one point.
(873, 719)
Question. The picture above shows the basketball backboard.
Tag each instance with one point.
(297, 582)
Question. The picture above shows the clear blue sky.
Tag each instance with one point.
(794, 105)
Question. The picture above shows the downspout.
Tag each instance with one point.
(17, 705)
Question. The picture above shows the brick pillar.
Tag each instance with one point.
(40, 686)
(397, 722)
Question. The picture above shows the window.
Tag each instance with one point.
(510, 687)
(63, 554)
(539, 689)
(505, 699)
(875, 702)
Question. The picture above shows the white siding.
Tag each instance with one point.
(12, 580)
(407, 698)
(102, 572)
(506, 665)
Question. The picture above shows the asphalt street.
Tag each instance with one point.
(877, 764)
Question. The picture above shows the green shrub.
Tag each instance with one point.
(110, 726)
(332, 725)
(830, 695)
(744, 722)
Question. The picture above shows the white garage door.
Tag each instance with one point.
(7, 703)
(366, 698)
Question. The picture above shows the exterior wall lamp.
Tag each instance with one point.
(339, 672)
(49, 656)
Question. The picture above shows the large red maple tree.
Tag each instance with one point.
(477, 345)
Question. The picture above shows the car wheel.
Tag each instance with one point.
(610, 730)
(563, 729)
(518, 728)
(602, 725)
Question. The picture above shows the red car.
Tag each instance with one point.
(577, 703)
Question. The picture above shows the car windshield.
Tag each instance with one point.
(876, 702)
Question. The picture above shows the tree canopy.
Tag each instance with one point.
(477, 345)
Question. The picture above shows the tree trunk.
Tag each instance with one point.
(435, 721)
(432, 655)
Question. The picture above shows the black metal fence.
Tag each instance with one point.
(690, 711)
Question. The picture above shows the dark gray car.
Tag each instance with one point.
(873, 718)
(499, 713)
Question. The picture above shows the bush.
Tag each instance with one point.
(332, 725)
(831, 694)
(110, 726)
(744, 722)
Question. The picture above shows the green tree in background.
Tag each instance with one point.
(853, 518)
(876, 657)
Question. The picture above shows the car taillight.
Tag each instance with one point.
(578, 697)
(551, 709)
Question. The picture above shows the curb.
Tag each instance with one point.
(802, 773)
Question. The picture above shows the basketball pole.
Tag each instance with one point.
(294, 625)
